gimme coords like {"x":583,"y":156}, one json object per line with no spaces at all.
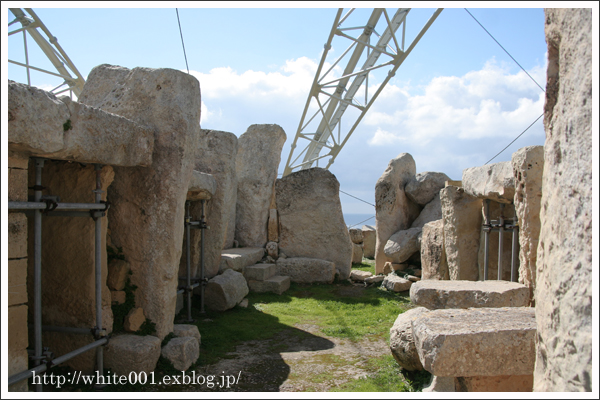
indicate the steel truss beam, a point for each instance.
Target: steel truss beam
{"x":66,"y":69}
{"x":330,"y":96}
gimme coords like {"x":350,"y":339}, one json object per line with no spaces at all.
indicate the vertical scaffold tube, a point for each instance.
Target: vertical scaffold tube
{"x":486,"y":254}
{"x":202,"y":228}
{"x":514,"y":275}
{"x":37,"y":268}
{"x":500,"y":241}
{"x":188,"y":219}
{"x":98,"y":270}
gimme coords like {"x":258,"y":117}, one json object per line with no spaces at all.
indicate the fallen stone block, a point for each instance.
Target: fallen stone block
{"x":402,"y":343}
{"x":182,"y":352}
{"x":374,"y":279}
{"x":431,"y":212}
{"x":403,"y":244}
{"x":186,"y":330}
{"x":435,"y":294}
{"x":225,"y":291}
{"x":134,"y":319}
{"x":118,"y":272}
{"x":477,"y":341}
{"x":275,"y":284}
{"x":132,"y":353}
{"x":202,"y":186}
{"x":492,"y":181}
{"x":395,"y":283}
{"x":306,"y":270}
{"x":238,"y":259}
{"x":360,"y":276}
{"x":424,"y":186}
{"x":260,"y":272}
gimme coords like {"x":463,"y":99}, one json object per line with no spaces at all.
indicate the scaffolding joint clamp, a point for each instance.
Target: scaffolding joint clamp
{"x":98,"y":333}
{"x":50,"y":205}
{"x":37,"y":187}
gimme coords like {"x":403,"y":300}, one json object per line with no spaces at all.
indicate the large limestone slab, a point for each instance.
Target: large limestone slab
{"x":311,"y":220}
{"x":402,"y":342}
{"x":431,"y":212}
{"x":275,"y":284}
{"x":492,"y":181}
{"x":394,"y":283}
{"x":132,"y":353}
{"x":403,"y":244}
{"x":148,"y":204}
{"x":182,"y":352}
{"x":202,"y":186}
{"x":306,"y":270}
{"x":433,"y":252}
{"x":238,"y":259}
{"x":260,"y":272}
{"x":565,"y":251}
{"x":461,"y":214}
{"x":225,"y":291}
{"x":259,"y":153}
{"x":187,"y":330}
{"x":369,"y":241}
{"x":394,"y":211}
{"x":528,"y":166}
{"x":435,"y":294}
{"x":476,"y":341}
{"x":425,"y":186}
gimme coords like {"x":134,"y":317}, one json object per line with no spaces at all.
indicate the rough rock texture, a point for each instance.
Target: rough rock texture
{"x":132,"y":353}
{"x":394,"y":283}
{"x":564,"y":264}
{"x":307,"y":270}
{"x":16,"y":355}
{"x":272,"y":249}
{"x":403,"y":244}
{"x":393,"y":210}
{"x":186,"y":330}
{"x":425,"y":186}
{"x":440,"y":384}
{"x":402,"y":343}
{"x":369,"y":240}
{"x":182,"y":352}
{"x":275,"y":284}
{"x":528,"y":166}
{"x":431,"y":212}
{"x":311,"y":220}
{"x":374,"y":279}
{"x":360,"y":276}
{"x":202,"y":186}
{"x":216,"y":156}
{"x":117,"y":296}
{"x":134,"y":319}
{"x":477,"y":341}
{"x":461,"y":214}
{"x":509,"y":213}
{"x":492,"y":181}
{"x":357,"y":253}
{"x":435,"y":294}
{"x":433,"y":252}
{"x":356,"y":235}
{"x":501,"y":383}
{"x":147,"y":212}
{"x":273,"y":226}
{"x":68,"y":254}
{"x":118,"y":272}
{"x":259,"y":153}
{"x":260,"y":272}
{"x":238,"y":259}
{"x":225,"y":291}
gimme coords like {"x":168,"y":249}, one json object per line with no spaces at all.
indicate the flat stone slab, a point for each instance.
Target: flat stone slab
{"x":437,"y":294}
{"x":260,"y":272}
{"x":394,"y":283}
{"x":306,"y":270}
{"x":275,"y":284}
{"x":360,"y":276}
{"x":132,"y":353}
{"x":202,"y":186}
{"x":238,"y":259}
{"x":477,"y":341}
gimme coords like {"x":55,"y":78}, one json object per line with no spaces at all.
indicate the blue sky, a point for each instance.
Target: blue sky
{"x":455,"y":102}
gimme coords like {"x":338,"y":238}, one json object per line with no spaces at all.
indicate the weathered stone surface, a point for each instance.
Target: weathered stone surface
{"x":17,"y":281}
{"x":243,"y":303}
{"x":435,"y":294}
{"x":238,"y":259}
{"x":132,"y":353}
{"x":393,"y":210}
{"x":403,"y":244}
{"x":412,"y":278}
{"x":395,"y":283}
{"x":68,"y":254}
{"x":360,"y":276}
{"x":374,"y":279}
{"x":495,"y":210}
{"x":216,"y":156}
{"x":440,"y":384}
{"x":186,"y":330}
{"x":501,"y":383}
{"x":134,"y":319}
{"x":17,"y":160}
{"x":35,"y":119}
{"x":273,"y":226}
{"x":492,"y":181}
{"x":311,"y":220}
{"x":225,"y":291}
{"x":565,"y":251}
{"x":202,"y":186}
{"x":17,"y":184}
{"x":433,"y":252}
{"x":390,"y":267}
{"x":272,"y":249}
{"x":425,"y":186}
{"x":118,"y":272}
{"x":369,"y":240}
{"x":260,"y":272}
{"x":306,"y":270}
{"x":528,"y":166}
{"x":275,"y":284}
{"x":17,"y":235}
{"x":148,"y":204}
{"x":477,"y":341}
{"x":356,"y":235}
{"x":461,"y":214}
{"x":117,"y":296}
{"x":431,"y":212}
{"x":357,"y":253}
{"x":402,"y":343}
{"x":17,"y":345}
{"x":259,"y":153}
{"x":182,"y":352}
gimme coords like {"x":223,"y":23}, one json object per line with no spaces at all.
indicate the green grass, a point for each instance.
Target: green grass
{"x":366,"y":265}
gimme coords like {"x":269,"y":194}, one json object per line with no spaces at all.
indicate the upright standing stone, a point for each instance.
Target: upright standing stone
{"x":259,"y":153}
{"x":528,"y":166}
{"x":564,"y":264}
{"x":369,"y":240}
{"x":393,"y":210}
{"x":147,"y":212}
{"x":311,"y":220}
{"x":461,"y":213}
{"x":273,"y":227}
{"x":433,"y":252}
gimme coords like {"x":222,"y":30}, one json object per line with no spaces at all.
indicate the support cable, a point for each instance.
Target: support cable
{"x":182,"y":44}
{"x":521,"y":134}
{"x":361,"y":222}
{"x":347,"y":194}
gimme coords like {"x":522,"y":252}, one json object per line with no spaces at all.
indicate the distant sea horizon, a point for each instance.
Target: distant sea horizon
{"x":356,"y":220}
